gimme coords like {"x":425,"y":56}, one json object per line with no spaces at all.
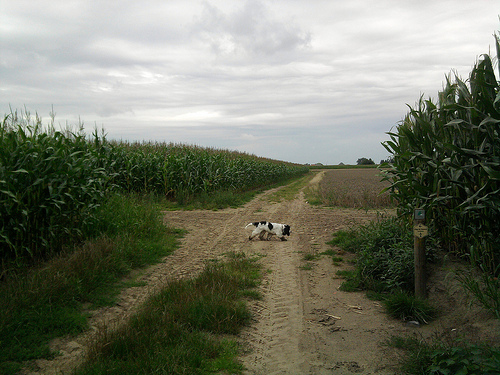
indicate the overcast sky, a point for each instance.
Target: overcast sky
{"x":304,"y":81}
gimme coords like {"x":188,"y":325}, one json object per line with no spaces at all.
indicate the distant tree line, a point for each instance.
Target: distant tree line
{"x":365,"y":161}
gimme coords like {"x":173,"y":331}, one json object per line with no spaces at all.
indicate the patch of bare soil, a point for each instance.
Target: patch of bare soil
{"x":303,"y":324}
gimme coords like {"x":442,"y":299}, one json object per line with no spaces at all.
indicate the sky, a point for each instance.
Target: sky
{"x":304,"y":81}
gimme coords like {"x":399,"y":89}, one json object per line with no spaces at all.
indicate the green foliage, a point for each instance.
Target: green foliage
{"x":446,"y":358}
{"x":175,"y":330}
{"x":446,"y":160}
{"x":42,"y":303}
{"x":385,"y":267}
{"x":384,"y":255}
{"x":50,"y":184}
{"x":469,"y":359}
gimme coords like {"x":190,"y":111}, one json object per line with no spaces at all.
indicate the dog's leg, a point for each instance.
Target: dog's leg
{"x":255,"y":233}
{"x":262,"y":234}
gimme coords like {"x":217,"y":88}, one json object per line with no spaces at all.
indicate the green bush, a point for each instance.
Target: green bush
{"x":404,"y":306}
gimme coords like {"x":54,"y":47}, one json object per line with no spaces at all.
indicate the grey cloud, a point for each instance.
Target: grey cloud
{"x":296,"y":80}
{"x":251,"y":31}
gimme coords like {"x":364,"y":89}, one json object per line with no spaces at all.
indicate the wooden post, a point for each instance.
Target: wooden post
{"x":420,"y":231}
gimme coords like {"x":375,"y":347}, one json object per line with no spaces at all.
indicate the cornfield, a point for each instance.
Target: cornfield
{"x":447,"y":161}
{"x":52,"y":181}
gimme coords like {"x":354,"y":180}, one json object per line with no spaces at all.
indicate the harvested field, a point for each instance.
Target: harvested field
{"x":351,"y":188}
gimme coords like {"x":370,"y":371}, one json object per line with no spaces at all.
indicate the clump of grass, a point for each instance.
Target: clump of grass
{"x":352,"y":282}
{"x":176,"y":329}
{"x":307,"y":267}
{"x":404,"y":306}
{"x":310,"y":257}
{"x":46,"y":302}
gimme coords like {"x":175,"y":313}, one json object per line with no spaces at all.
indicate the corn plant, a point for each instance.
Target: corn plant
{"x":52,"y":181}
{"x":181,"y":172}
{"x":447,"y":161}
{"x":49,"y":186}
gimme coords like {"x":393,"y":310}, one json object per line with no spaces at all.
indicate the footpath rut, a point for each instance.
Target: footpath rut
{"x":303,"y":324}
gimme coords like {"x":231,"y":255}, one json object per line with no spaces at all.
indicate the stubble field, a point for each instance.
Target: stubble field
{"x":351,"y":188}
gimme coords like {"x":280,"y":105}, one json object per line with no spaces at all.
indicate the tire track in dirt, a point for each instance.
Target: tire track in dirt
{"x":209,"y":235}
{"x":292,"y":332}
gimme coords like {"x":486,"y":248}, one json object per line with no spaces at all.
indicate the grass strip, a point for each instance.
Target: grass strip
{"x":289,"y":191}
{"x":178,"y":331}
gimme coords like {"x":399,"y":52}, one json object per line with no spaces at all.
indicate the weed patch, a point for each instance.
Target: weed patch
{"x":384,"y":252}
{"x":438,"y":357}
{"x":384,"y":267}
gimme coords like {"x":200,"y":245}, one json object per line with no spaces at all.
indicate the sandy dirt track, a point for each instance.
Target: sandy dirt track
{"x":303,"y":324}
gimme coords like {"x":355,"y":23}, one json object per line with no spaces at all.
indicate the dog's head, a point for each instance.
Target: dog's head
{"x":286,"y":230}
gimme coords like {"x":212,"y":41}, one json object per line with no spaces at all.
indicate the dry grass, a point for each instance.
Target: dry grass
{"x":352,"y":188}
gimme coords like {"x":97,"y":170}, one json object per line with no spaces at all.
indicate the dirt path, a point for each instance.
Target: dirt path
{"x":303,"y":325}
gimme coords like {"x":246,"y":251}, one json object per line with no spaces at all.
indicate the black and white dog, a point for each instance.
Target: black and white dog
{"x":264,"y":227}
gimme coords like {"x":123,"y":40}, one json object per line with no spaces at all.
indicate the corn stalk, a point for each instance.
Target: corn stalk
{"x":447,"y":161}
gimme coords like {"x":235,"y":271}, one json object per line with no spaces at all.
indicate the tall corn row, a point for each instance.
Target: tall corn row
{"x":181,"y":172}
{"x":49,"y":186}
{"x":447,"y":160}
{"x":51,"y":182}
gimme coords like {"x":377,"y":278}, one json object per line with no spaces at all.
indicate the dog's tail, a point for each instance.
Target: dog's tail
{"x":250,"y":224}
